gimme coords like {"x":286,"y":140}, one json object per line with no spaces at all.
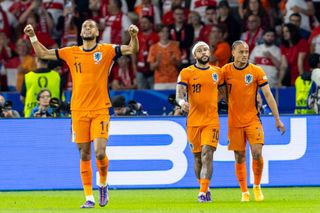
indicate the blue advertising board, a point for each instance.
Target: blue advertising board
{"x":150,"y":152}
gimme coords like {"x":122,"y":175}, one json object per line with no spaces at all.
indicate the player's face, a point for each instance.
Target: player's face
{"x":89,"y":30}
{"x":241,"y":53}
{"x":202,"y":54}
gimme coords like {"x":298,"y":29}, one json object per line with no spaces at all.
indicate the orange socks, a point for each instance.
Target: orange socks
{"x":241,"y":173}
{"x":86,"y":176}
{"x":102,"y":166}
{"x":204,"y":184}
{"x":257,"y":167}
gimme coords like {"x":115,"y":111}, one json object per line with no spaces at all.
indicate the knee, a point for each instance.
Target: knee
{"x":85,"y":156}
{"x":206,"y":156}
{"x":240,"y":157}
{"x":100,"y":154}
{"x":256,"y":155}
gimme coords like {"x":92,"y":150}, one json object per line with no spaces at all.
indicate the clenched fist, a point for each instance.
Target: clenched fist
{"x":133,"y":30}
{"x":29,"y":31}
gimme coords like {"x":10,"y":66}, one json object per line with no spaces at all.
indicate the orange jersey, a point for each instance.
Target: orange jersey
{"x":242,"y":87}
{"x":89,"y":70}
{"x":202,"y":85}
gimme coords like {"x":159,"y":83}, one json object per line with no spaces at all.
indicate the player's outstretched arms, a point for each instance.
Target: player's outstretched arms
{"x":133,"y":46}
{"x":40,"y":50}
{"x":181,"y":93}
{"x":273,"y":106}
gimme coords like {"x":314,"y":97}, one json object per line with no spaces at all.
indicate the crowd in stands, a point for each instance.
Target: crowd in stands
{"x":281,"y":34}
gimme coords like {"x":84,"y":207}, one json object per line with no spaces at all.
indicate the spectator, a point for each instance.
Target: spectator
{"x":194,"y":19}
{"x":183,"y":33}
{"x":210,"y":19}
{"x":35,"y":81}
{"x":314,"y":40}
{"x":295,"y":18}
{"x":225,"y":17}
{"x":167,"y":17}
{"x":43,"y":109}
{"x":17,"y":66}
{"x":5,"y":55}
{"x":201,"y":6}
{"x":294,"y":50}
{"x":123,"y":77}
{"x":6,"y":110}
{"x":304,"y":7}
{"x":268,"y":56}
{"x":220,"y":49}
{"x":254,"y":33}
{"x":164,"y":58}
{"x":115,"y":24}
{"x":255,"y":7}
{"x":147,"y":37}
{"x":43,"y":35}
{"x":67,"y":25}
{"x":147,"y":8}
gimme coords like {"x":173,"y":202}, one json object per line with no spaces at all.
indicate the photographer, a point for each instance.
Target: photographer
{"x":43,"y":109}
{"x":133,"y":109}
{"x":6,"y":110}
{"x":177,"y":111}
{"x":60,"y":108}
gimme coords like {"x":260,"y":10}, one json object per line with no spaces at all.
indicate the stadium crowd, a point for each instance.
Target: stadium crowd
{"x":283,"y":37}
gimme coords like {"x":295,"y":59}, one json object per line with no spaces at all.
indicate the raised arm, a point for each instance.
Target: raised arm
{"x":273,"y":106}
{"x":133,"y":46}
{"x":40,"y":50}
{"x":181,"y":93}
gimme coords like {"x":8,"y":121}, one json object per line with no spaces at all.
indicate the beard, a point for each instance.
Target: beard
{"x":89,"y":38}
{"x":202,"y":61}
{"x":268,"y":43}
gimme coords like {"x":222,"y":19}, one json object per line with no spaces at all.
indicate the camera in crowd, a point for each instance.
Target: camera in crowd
{"x":133,"y":108}
{"x":7,"y":105}
{"x":60,"y":108}
{"x":177,"y":111}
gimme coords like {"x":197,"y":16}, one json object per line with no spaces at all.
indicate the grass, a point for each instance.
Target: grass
{"x":304,"y":199}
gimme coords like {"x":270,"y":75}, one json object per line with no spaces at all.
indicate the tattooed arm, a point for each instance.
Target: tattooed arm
{"x":181,"y":93}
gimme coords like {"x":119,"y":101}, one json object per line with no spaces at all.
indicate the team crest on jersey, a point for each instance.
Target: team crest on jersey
{"x":248,"y":78}
{"x":215,"y":77}
{"x":97,"y":56}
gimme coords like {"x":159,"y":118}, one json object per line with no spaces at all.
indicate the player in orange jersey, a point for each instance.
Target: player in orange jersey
{"x":89,"y":65}
{"x":243,"y":80}
{"x":197,"y":94}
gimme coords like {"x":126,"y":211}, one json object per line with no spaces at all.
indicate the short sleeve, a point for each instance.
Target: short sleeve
{"x":221,"y":77}
{"x":63,"y":53}
{"x":261,"y":77}
{"x":183,"y":77}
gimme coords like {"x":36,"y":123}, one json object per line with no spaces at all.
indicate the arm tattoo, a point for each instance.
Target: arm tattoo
{"x":181,"y":92}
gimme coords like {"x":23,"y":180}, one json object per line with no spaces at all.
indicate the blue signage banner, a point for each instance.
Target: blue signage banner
{"x":150,"y":152}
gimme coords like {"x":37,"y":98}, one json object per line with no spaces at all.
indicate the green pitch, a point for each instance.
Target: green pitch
{"x":165,"y":200}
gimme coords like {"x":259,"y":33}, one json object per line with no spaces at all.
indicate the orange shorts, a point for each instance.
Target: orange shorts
{"x":88,"y":125}
{"x":238,"y":136}
{"x":204,"y":135}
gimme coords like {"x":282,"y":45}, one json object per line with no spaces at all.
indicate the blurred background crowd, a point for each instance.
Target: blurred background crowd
{"x":283,"y":37}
